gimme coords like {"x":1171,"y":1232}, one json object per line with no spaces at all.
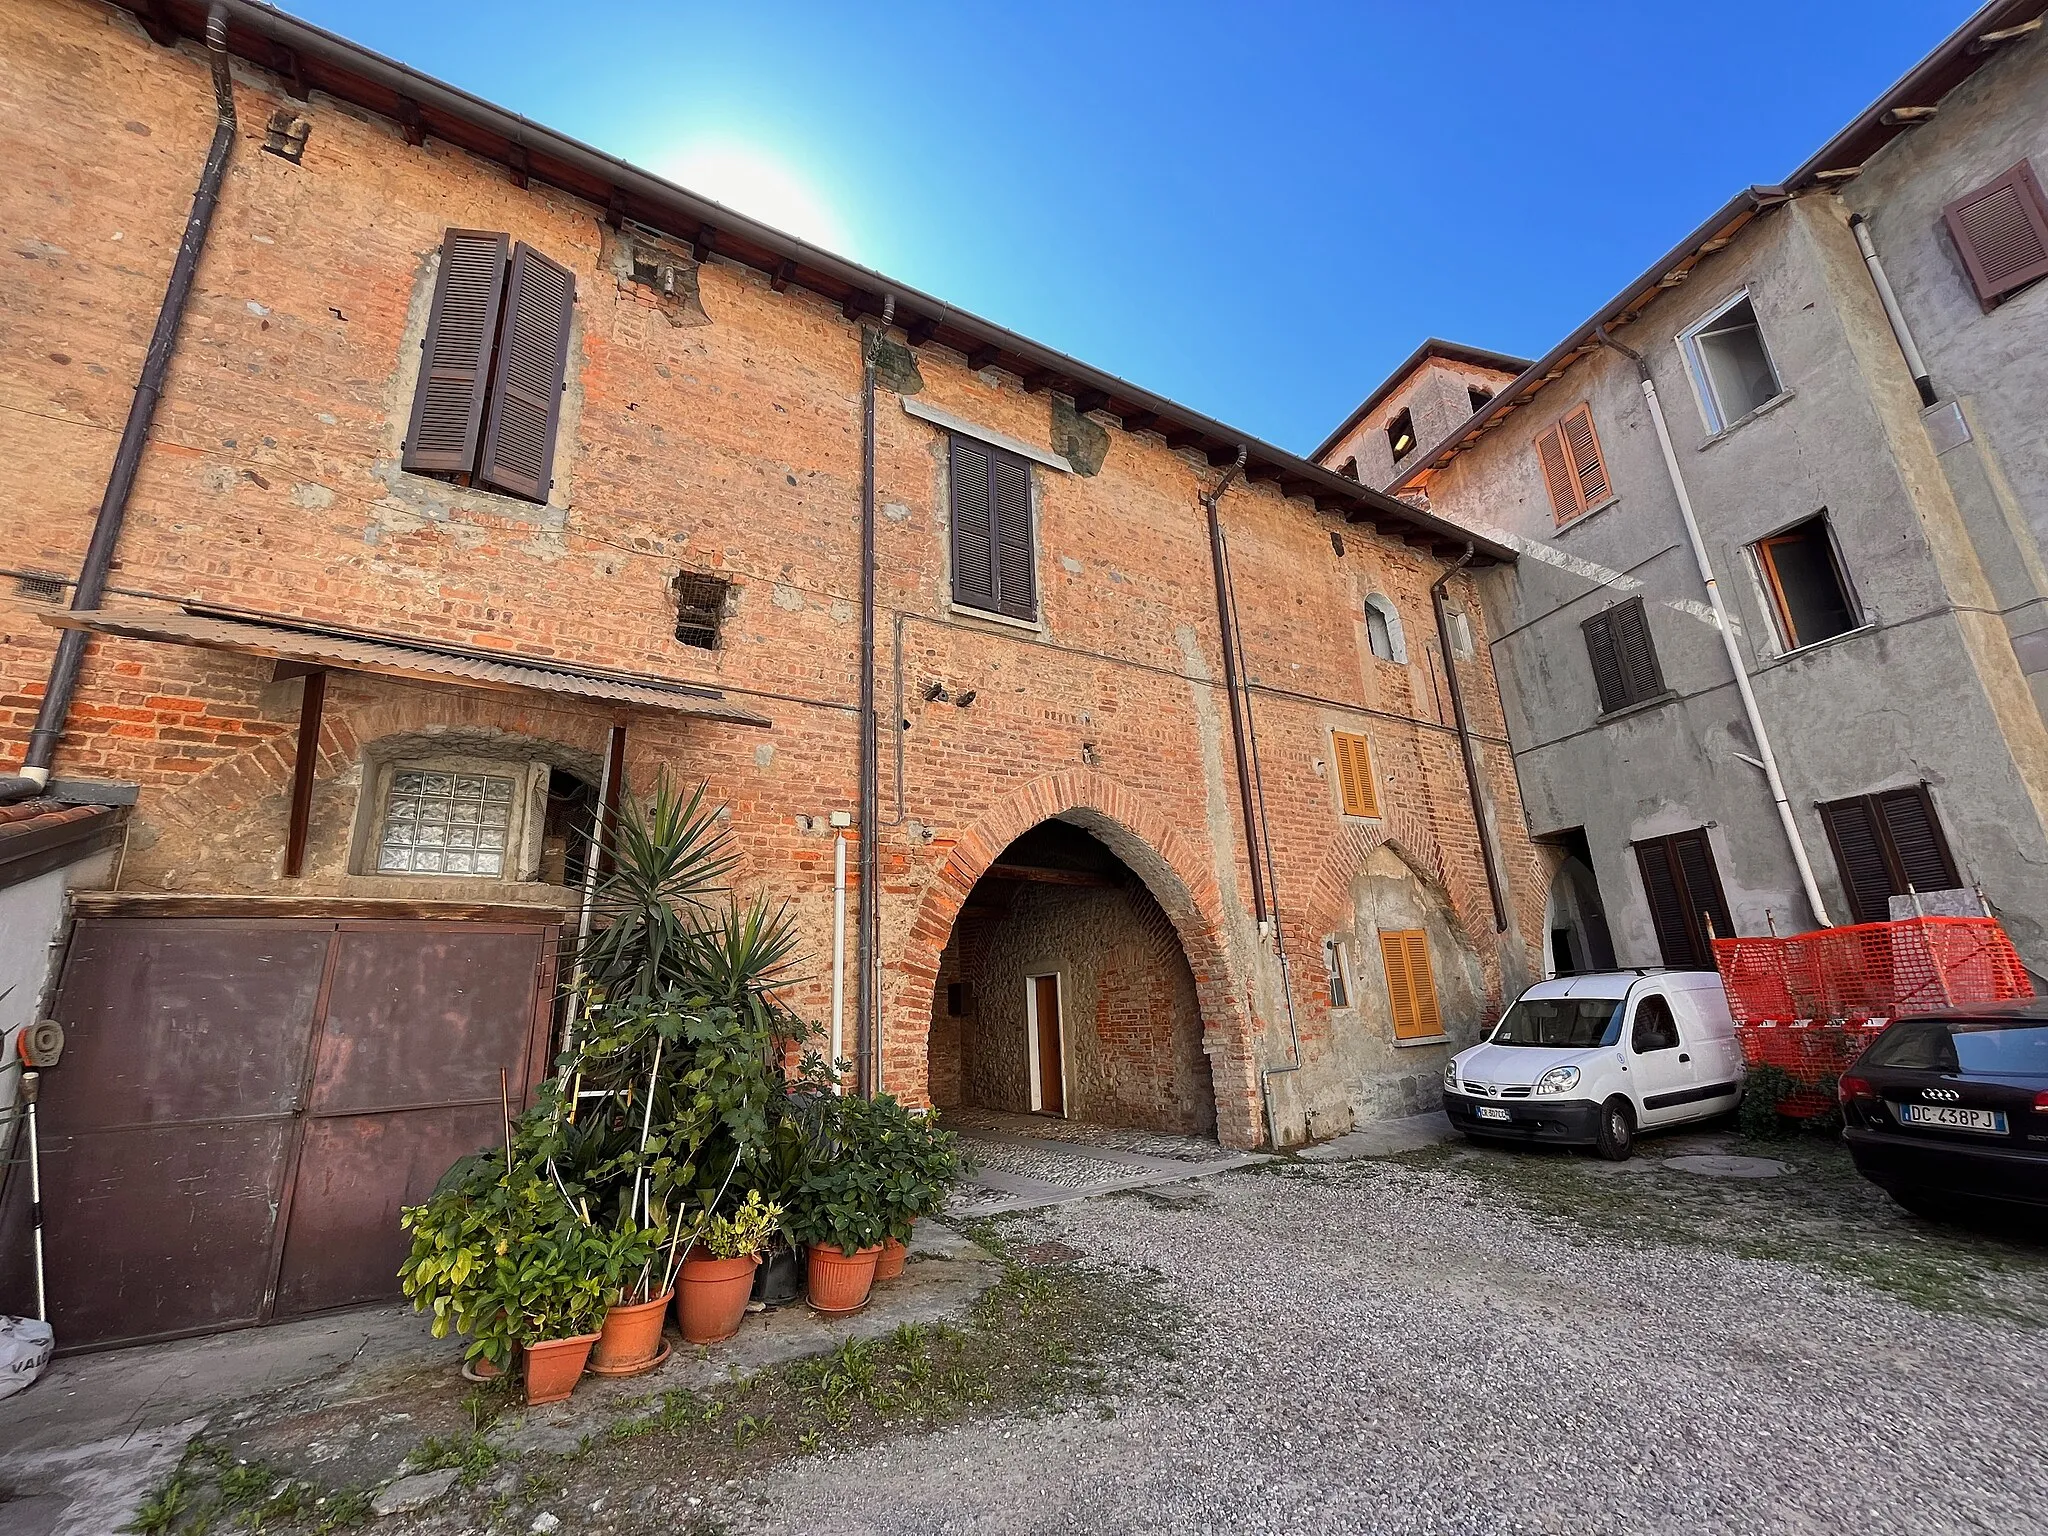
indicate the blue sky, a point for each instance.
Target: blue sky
{"x":1257,"y":210}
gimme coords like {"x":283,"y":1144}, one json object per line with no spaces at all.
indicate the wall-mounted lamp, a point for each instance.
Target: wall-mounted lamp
{"x":935,"y":693}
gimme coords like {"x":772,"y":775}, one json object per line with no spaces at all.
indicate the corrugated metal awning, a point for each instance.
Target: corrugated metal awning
{"x":401,"y":658}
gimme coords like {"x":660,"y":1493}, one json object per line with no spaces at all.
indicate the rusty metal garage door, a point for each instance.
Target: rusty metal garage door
{"x":244,"y":1104}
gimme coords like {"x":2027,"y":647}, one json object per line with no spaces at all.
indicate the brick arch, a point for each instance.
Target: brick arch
{"x":1172,"y":869}
{"x":1409,"y":836}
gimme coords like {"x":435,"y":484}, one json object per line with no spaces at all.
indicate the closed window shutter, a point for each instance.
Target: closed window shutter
{"x":1565,"y":503}
{"x":1356,"y":789}
{"x":1859,"y":857}
{"x":1600,"y":650}
{"x":526,"y":387}
{"x":1634,"y":653}
{"x":1667,"y":905}
{"x":1705,"y":904}
{"x":455,"y":358}
{"x":1411,"y":984}
{"x":1582,"y":445}
{"x":1918,"y":847}
{"x":1016,"y":587}
{"x":974,"y":542}
{"x":2001,"y":232}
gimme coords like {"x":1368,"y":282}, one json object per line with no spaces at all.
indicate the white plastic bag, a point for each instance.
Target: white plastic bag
{"x":25,"y":1346}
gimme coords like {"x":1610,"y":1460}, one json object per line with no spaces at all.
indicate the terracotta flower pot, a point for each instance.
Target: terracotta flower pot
{"x":631,"y":1341}
{"x":711,"y":1297}
{"x":839,"y":1282}
{"x":553,"y":1367}
{"x":891,"y":1262}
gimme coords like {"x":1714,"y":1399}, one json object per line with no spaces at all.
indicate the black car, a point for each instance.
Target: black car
{"x":1951,"y":1109}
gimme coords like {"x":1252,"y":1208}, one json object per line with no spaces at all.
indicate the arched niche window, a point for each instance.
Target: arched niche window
{"x":1383,"y":629}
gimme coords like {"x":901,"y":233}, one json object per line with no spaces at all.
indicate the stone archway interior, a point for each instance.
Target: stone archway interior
{"x":1058,"y":902}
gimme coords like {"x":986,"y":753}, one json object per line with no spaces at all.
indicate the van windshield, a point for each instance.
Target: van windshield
{"x":1561,"y":1021}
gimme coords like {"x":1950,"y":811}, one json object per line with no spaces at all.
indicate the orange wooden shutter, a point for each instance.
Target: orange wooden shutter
{"x":1583,"y":446}
{"x":1558,"y":477}
{"x":1355,"y":787}
{"x":1411,"y":984}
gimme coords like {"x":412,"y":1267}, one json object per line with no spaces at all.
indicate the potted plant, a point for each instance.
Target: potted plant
{"x":630,"y":1342}
{"x":920,"y":1164}
{"x":717,"y":1277}
{"x":841,"y":1211}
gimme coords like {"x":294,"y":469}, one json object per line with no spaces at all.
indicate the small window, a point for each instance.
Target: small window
{"x":1731,"y":370}
{"x":1383,"y":629}
{"x":1573,"y":471}
{"x":1479,"y":398}
{"x":1687,"y":908}
{"x":1337,"y":968}
{"x":995,"y":554}
{"x":1460,"y":626}
{"x":1809,"y":595}
{"x":1624,"y":661}
{"x":1356,"y":791}
{"x":1401,"y":435}
{"x":447,"y":823}
{"x":492,"y":367}
{"x":1655,"y":1029}
{"x":700,"y":608}
{"x":1887,"y":845}
{"x":1411,"y":985}
{"x":2001,"y":233}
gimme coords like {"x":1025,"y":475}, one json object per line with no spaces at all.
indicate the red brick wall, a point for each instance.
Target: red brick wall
{"x":271,"y":484}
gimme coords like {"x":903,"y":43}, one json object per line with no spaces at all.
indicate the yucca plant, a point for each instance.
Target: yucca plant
{"x":664,"y":863}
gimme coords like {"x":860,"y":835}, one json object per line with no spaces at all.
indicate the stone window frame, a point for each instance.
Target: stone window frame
{"x":523,"y":833}
{"x":1397,"y":640}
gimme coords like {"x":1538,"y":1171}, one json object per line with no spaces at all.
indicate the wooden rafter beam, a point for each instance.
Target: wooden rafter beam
{"x":782,"y":277}
{"x":409,"y":122}
{"x":522,"y":167}
{"x":983,"y":357}
{"x":921,"y":330}
{"x":1039,"y":875}
{"x":1086,"y":400}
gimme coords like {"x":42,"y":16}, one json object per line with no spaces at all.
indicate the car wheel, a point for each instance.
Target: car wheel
{"x":1617,"y":1130}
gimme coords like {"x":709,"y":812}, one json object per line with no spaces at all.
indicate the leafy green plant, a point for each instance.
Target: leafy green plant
{"x":745,"y":1231}
{"x":663,"y":862}
{"x":1767,"y":1091}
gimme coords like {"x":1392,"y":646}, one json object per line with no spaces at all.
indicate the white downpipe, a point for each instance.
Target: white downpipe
{"x":1766,"y":756}
{"x":838,"y":948}
{"x":1915,"y":364}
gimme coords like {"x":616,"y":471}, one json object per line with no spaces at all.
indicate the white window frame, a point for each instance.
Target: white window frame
{"x":1380,"y":603}
{"x":1337,"y":967}
{"x":523,"y":833}
{"x":1712,"y":416}
{"x":1059,"y":986}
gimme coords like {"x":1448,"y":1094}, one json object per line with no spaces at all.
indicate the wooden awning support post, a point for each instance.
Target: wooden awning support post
{"x":305,"y":759}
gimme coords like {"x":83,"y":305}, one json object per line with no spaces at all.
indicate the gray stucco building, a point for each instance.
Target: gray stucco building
{"x":1869,"y":494}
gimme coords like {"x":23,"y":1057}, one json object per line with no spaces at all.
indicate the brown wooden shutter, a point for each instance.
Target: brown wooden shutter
{"x":1667,"y":904}
{"x":1016,"y":554}
{"x":526,"y":387}
{"x":1859,"y":858}
{"x":1411,"y":984}
{"x":1600,"y":650}
{"x":1565,"y":503}
{"x":974,"y":539}
{"x":1687,"y":907}
{"x":1582,"y":445}
{"x":1914,"y":832}
{"x":2001,"y":232}
{"x":455,"y":357}
{"x":1356,"y":789}
{"x":1705,"y":904}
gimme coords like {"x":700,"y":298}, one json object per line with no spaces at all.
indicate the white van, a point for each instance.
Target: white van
{"x":1591,"y":1060}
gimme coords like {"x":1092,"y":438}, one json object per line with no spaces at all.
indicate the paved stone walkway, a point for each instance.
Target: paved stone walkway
{"x":1028,"y":1161}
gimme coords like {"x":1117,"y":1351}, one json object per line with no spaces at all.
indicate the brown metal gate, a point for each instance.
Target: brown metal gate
{"x":244,"y":1104}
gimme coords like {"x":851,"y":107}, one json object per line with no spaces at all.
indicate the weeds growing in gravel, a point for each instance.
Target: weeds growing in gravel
{"x":211,"y":1490}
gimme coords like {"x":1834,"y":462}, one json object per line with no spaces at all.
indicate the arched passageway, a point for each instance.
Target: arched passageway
{"x":1063,"y":990}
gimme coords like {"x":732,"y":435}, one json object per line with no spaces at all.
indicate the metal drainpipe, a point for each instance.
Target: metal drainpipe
{"x":1705,"y":562}
{"x":1487,"y":853}
{"x":1914,"y":362}
{"x":106,"y":529}
{"x":868,"y":950}
{"x":1209,"y":499}
{"x":1265,"y":840}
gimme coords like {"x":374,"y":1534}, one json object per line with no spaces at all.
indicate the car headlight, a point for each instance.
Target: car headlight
{"x":1558,"y":1080}
{"x":1450,"y":1077}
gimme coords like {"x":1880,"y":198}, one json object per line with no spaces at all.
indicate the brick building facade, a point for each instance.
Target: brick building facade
{"x":710,"y":444}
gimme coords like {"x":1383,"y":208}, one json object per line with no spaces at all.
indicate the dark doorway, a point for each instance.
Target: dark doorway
{"x":244,"y":1104}
{"x":1064,"y":991}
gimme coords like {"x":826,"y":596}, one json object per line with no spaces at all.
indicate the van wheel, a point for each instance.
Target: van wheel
{"x":1617,"y":1130}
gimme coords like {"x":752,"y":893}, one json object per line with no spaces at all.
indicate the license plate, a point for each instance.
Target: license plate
{"x":1951,"y":1118}
{"x":1489,"y":1112}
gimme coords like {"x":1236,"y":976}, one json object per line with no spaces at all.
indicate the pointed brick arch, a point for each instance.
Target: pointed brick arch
{"x":1173,"y":870}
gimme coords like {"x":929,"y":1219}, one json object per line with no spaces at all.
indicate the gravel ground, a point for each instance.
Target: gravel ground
{"x":1117,"y":1138}
{"x":1385,"y":1347}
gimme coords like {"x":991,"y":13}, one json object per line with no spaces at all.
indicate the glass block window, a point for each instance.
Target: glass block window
{"x":445,"y":824}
